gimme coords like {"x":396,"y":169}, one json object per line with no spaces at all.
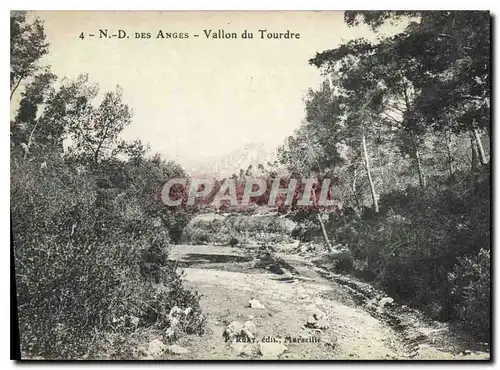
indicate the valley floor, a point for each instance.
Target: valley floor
{"x":307,"y":314}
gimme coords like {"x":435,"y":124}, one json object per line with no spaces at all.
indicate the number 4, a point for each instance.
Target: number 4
{"x":81,"y":36}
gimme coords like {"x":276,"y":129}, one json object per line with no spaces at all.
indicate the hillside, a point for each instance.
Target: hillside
{"x":223,"y":166}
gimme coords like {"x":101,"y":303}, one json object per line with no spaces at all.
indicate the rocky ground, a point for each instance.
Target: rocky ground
{"x":274,"y":303}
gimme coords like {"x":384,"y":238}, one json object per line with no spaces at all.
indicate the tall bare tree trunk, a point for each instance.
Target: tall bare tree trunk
{"x":30,"y":139}
{"x":325,"y":236}
{"x":322,"y":225}
{"x":13,"y":90}
{"x":448,"y":153}
{"x":474,"y":153}
{"x":367,"y":166}
{"x":354,"y":190}
{"x":480,"y":150}
{"x":421,"y":177}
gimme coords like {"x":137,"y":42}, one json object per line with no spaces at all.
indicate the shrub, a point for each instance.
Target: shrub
{"x":215,"y":229}
{"x":78,"y":256}
{"x":339,"y":261}
{"x":421,"y":237}
{"x":471,"y":290}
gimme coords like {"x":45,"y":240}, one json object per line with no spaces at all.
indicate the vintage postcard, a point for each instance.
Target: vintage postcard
{"x":250,"y":185}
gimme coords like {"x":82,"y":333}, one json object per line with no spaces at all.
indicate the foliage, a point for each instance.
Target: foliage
{"x":222,"y":229}
{"x":471,"y":281}
{"x":416,"y":241}
{"x":418,"y":193}
{"x":85,"y":217}
{"x":27,"y":46}
{"x":78,"y":263}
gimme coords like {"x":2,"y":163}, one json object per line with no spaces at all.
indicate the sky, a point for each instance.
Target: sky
{"x":197,"y":97}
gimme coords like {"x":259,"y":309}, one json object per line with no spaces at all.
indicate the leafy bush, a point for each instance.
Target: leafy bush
{"x":216,"y":229}
{"x":471,"y":290}
{"x":78,"y":256}
{"x":419,"y":238}
{"x":339,"y":261}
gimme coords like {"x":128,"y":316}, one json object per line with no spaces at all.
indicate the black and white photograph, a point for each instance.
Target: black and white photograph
{"x":251,"y":185}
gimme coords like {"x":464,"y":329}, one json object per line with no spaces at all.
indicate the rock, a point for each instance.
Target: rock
{"x":293,"y":246}
{"x":318,"y":314}
{"x":177,"y":350}
{"x":311,"y":322}
{"x":232,"y":330}
{"x":249,"y":350}
{"x":238,"y":347}
{"x":155,"y":348}
{"x":370,"y":304}
{"x":314,"y":323}
{"x":271,"y":350}
{"x":276,"y":269}
{"x":134,"y":320}
{"x":175,"y":312}
{"x":318,"y":248}
{"x":386,"y":300}
{"x":175,"y":316}
{"x":322,"y":323}
{"x":318,"y":301}
{"x":332,"y":342}
{"x":244,"y":349}
{"x":141,"y":351}
{"x":249,"y":329}
{"x":169,"y":333}
{"x":244,"y":333}
{"x":253,"y":303}
{"x":174,"y":322}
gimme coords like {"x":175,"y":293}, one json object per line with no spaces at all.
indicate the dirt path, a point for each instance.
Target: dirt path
{"x":350,"y":329}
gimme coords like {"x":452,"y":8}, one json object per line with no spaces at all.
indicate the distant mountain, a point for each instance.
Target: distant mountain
{"x":224,"y":166}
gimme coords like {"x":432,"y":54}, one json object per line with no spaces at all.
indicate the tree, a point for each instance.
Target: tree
{"x":38,"y":92}
{"x":311,"y":152}
{"x":95,"y":130}
{"x":382,"y":79}
{"x":359,"y":95}
{"x":414,"y":103}
{"x":450,"y":51}
{"x":27,"y":46}
{"x":248,"y":172}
